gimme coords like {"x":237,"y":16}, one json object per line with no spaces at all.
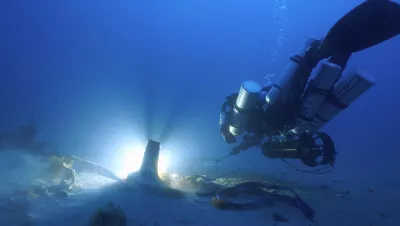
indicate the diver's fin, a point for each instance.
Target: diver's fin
{"x":369,"y":24}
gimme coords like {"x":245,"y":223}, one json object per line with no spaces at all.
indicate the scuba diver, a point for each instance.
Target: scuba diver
{"x":284,"y":119}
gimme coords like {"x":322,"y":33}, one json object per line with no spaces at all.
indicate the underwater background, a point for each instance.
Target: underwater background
{"x":101,"y":77}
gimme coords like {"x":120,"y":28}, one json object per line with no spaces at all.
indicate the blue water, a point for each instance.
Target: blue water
{"x":101,"y":77}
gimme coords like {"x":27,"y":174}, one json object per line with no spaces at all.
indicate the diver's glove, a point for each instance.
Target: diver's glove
{"x":236,"y":150}
{"x":249,"y":141}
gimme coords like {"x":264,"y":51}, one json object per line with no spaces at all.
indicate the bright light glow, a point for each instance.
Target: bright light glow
{"x":162,"y":164}
{"x":131,"y":160}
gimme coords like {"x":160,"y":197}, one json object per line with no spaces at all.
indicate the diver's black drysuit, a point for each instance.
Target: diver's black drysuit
{"x":370,"y":23}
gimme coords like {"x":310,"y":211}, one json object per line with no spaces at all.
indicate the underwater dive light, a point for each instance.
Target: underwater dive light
{"x":150,"y":159}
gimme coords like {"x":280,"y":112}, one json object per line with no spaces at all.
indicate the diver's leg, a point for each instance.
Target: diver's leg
{"x":367,"y":25}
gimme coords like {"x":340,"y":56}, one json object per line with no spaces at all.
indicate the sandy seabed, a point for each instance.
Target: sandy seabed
{"x":334,"y":204}
{"x":141,"y":208}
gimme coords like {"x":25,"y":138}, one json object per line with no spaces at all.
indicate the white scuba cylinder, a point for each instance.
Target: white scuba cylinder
{"x":279,"y":88}
{"x":315,"y":95}
{"x":349,"y":88}
{"x":249,"y":95}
